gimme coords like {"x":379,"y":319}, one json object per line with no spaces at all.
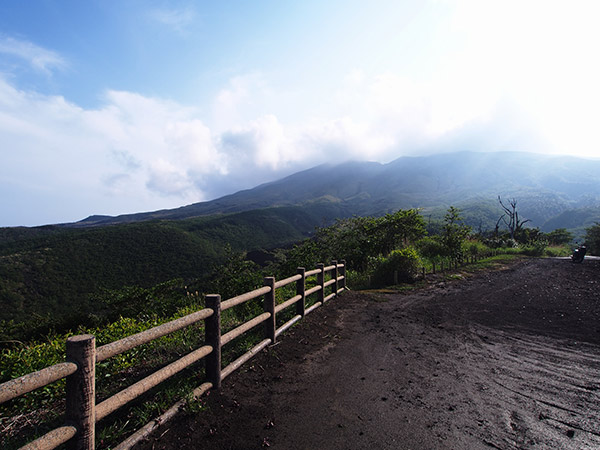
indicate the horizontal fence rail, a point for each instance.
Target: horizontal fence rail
{"x":82,"y":355}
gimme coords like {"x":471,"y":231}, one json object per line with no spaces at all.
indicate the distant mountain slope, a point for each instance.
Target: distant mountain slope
{"x":545,"y":186}
{"x":573,"y":218}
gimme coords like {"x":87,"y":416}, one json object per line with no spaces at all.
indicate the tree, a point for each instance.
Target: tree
{"x":397,"y":230}
{"x":592,"y":238}
{"x":513,"y":223}
{"x":454,"y":232}
{"x":559,"y":236}
{"x":357,"y":239}
{"x":352,"y":239}
{"x":234,"y":276}
{"x":431,"y":248}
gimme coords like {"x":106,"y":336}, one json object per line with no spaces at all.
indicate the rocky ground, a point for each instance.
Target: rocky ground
{"x":506,"y":359}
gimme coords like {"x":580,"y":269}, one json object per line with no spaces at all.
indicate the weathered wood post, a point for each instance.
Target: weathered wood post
{"x":433,"y":263}
{"x":321,"y":282}
{"x":212,"y":331}
{"x":269,"y":306}
{"x":334,"y":274}
{"x":395,"y":280}
{"x":442,"y":264}
{"x":301,"y":291}
{"x":343,"y":273}
{"x":81,"y":391}
{"x":423,"y":270}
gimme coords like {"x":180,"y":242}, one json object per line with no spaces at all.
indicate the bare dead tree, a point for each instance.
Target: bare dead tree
{"x":513,"y":223}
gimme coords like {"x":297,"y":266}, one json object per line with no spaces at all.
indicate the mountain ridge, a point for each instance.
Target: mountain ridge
{"x":430,"y":182}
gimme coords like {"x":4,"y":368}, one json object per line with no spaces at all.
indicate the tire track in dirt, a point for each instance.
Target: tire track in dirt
{"x":505,"y":360}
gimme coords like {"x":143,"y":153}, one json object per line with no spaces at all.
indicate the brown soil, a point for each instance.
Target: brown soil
{"x":507,"y":360}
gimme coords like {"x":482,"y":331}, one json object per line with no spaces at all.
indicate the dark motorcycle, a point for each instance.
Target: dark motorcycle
{"x":579,"y":254}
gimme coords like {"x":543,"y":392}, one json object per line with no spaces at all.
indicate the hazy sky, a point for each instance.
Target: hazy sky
{"x":110,"y":107}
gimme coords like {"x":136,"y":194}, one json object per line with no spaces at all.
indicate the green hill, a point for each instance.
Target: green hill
{"x":55,"y":270}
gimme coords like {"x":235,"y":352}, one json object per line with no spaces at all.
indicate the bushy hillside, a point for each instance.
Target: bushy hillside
{"x":54,"y":270}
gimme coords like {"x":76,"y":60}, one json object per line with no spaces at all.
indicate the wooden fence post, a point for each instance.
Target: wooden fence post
{"x":343,"y":273}
{"x":301,"y":291}
{"x":423,"y":272}
{"x":395,"y":277}
{"x":269,"y":306}
{"x":433,"y":263}
{"x":321,"y":282}
{"x":334,"y":274}
{"x":212,"y":331}
{"x":81,"y":391}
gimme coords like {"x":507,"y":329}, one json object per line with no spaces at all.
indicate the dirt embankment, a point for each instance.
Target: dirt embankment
{"x":505,"y":360}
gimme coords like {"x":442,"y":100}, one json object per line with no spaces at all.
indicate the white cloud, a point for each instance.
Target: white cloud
{"x":40,"y":59}
{"x":134,"y":153}
{"x":137,"y":153}
{"x":241,"y":101}
{"x":537,"y":55}
{"x":261,"y":143}
{"x":166,"y":178}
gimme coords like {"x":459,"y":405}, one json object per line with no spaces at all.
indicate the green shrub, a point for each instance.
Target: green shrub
{"x":535,"y":249}
{"x":557,"y":250}
{"x":405,"y":262}
{"x":592,"y":239}
{"x":454,"y":233}
{"x":431,"y":248}
{"x":475,"y":248}
{"x":560,"y":236}
{"x":357,"y":280}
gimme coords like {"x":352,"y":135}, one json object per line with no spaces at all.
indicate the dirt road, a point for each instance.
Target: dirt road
{"x":505,"y":360}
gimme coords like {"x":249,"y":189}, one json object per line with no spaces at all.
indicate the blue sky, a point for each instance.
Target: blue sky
{"x":113,"y":107}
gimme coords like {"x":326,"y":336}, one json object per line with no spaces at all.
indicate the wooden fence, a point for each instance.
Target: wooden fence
{"x":82,"y":355}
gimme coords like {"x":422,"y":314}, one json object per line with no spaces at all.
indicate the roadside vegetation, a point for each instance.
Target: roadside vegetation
{"x":592,"y":238}
{"x":379,"y":251}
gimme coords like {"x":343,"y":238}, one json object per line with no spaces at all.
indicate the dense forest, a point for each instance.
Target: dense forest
{"x":52,"y":276}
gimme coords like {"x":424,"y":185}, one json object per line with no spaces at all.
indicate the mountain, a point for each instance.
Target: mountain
{"x":545,"y":186}
{"x":51,"y":275}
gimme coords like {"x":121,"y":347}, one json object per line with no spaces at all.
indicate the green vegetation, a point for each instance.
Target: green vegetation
{"x":53,"y":278}
{"x":560,"y":236}
{"x":454,"y":234}
{"x":118,"y":280}
{"x":400,"y":266}
{"x":358,"y":239}
{"x":592,"y":239}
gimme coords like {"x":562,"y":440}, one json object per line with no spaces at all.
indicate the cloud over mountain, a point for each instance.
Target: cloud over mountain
{"x":131,"y":109}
